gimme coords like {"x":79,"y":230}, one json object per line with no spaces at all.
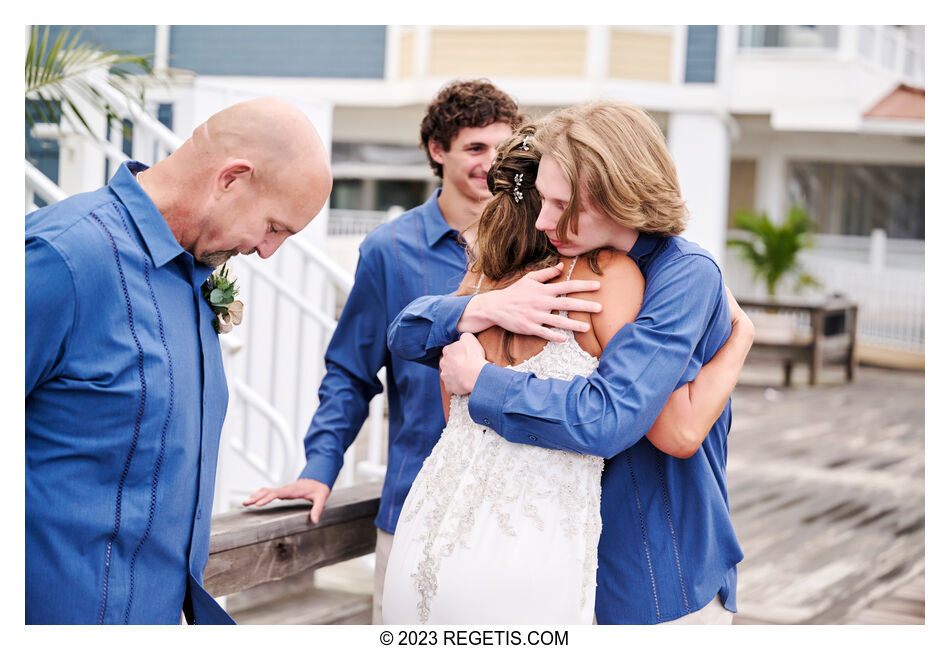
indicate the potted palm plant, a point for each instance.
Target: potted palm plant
{"x":772,"y":250}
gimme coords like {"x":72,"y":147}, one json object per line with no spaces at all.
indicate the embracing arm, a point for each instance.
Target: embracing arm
{"x":693,"y":408}
{"x":429,"y":323}
{"x":615,"y":406}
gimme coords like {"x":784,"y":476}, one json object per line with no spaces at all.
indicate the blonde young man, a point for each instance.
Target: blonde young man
{"x":668,"y":551}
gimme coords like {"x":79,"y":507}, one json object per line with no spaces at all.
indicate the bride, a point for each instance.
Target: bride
{"x":499,"y":532}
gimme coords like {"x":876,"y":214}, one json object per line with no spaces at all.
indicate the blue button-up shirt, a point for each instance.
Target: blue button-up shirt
{"x":125,"y":398}
{"x":414,"y":255}
{"x":668,"y":546}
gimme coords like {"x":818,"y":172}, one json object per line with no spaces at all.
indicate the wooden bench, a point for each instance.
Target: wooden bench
{"x":815,"y":333}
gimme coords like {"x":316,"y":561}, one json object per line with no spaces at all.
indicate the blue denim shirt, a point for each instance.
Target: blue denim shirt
{"x":125,"y":398}
{"x":414,"y":255}
{"x":668,"y":546}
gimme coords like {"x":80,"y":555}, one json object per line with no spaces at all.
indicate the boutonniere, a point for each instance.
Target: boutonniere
{"x":220,"y":291}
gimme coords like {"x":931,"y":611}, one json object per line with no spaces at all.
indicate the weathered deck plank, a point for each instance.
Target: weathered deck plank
{"x":827,"y":489}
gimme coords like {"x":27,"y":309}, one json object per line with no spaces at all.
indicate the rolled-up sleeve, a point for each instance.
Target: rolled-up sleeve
{"x":425,"y":326}
{"x":610,"y":410}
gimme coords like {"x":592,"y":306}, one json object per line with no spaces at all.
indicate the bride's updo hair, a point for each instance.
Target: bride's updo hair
{"x":508,"y":244}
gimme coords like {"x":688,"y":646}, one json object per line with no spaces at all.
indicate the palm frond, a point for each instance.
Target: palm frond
{"x":59,"y":77}
{"x":772,"y":249}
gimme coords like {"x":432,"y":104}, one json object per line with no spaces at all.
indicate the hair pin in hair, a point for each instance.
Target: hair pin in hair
{"x":524,"y":145}
{"x":516,"y":192}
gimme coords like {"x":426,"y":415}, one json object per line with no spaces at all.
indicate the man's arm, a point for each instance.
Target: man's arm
{"x":614,"y":407}
{"x":354,"y":356}
{"x":50,"y":310}
{"x":693,"y":408}
{"x":428,"y":324}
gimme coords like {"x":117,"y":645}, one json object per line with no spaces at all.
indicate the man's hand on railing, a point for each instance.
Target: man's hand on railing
{"x":303,"y":488}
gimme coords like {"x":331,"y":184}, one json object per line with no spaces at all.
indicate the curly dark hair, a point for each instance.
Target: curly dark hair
{"x":462,"y":104}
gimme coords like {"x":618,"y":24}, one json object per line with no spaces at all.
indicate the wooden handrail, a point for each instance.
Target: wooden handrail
{"x":258,"y":545}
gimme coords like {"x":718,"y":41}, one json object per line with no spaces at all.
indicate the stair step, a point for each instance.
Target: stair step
{"x":314,"y":606}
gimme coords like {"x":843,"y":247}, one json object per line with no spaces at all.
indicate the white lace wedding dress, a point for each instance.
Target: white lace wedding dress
{"x":498,"y":532}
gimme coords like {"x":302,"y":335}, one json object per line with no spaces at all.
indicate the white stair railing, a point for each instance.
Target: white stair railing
{"x":38,"y":184}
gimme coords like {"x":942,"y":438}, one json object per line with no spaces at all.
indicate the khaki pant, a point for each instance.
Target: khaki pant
{"x":712,"y":614}
{"x":384,"y":544}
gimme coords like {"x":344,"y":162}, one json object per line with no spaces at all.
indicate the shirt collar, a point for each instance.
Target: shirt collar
{"x":159,"y":240}
{"x":433,"y":221}
{"x":644,"y":246}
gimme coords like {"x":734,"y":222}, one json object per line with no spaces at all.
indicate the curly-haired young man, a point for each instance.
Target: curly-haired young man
{"x":416,"y":254}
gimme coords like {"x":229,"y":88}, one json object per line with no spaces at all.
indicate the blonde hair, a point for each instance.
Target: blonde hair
{"x":614,"y":155}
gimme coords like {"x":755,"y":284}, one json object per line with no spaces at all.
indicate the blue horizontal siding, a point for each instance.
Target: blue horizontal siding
{"x":701,"y":47}
{"x":134,"y":39}
{"x":339,"y":51}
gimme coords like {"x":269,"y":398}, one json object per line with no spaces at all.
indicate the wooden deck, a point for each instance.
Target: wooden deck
{"x":826,"y":485}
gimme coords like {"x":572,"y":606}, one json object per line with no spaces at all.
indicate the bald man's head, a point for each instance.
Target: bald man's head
{"x":251,"y":175}
{"x":266,"y":126}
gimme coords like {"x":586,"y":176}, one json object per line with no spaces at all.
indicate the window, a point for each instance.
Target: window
{"x":849,"y":199}
{"x":798,"y":36}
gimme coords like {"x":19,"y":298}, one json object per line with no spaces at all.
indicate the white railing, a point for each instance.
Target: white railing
{"x":891,"y":300}
{"x":291,"y":303}
{"x":37,"y":184}
{"x":888,"y":47}
{"x":343,"y":223}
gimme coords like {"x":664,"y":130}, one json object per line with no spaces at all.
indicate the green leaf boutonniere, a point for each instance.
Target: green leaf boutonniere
{"x":220,"y":291}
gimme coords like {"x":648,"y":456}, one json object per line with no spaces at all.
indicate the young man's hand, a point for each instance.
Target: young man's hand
{"x":461,"y":362}
{"x":526,"y":306}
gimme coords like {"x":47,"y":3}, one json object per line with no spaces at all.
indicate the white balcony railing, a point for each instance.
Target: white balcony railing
{"x":895,"y":49}
{"x":890,"y":294}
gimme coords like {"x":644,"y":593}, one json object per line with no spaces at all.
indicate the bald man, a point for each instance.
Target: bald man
{"x":125,"y":391}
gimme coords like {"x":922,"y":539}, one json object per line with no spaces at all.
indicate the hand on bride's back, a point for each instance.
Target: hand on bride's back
{"x":526,"y":306}
{"x":460,"y":364}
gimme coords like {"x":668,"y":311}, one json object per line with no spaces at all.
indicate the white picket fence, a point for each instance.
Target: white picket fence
{"x":890,"y":296}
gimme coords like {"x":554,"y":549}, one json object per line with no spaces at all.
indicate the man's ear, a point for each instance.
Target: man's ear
{"x":233,"y":171}
{"x":436,"y":151}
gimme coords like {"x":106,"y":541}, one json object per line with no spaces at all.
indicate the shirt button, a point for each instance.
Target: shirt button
{"x":486,"y":421}
{"x":532,"y":437}
{"x":199,"y":514}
